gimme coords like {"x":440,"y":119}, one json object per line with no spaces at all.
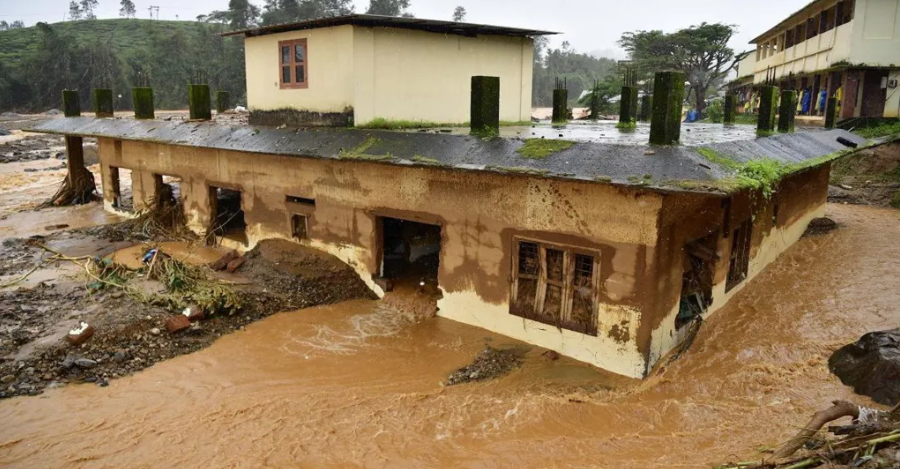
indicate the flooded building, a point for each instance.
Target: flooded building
{"x":849,"y":49}
{"x":584,"y":239}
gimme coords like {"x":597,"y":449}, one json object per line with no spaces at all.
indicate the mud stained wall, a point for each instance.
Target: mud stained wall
{"x":777,"y":223}
{"x":480,"y":215}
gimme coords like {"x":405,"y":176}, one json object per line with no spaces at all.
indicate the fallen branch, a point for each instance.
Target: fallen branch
{"x":838,"y":410}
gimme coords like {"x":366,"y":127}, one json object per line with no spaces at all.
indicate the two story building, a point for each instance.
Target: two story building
{"x":849,"y":49}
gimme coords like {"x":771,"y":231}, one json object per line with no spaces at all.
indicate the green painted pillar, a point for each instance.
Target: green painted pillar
{"x":560,"y":106}
{"x":485,"y":106}
{"x":199,"y":102}
{"x":71,"y":103}
{"x":768,"y":102}
{"x":143,"y":102}
{"x":831,"y":113}
{"x":787,"y":110}
{"x":730,"y":107}
{"x":628,"y":105}
{"x":646,"y":108}
{"x":668,"y":96}
{"x":223,"y":102}
{"x":103,"y":102}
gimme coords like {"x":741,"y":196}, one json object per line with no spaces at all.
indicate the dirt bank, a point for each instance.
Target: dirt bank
{"x":869,"y":177}
{"x":130,"y":324}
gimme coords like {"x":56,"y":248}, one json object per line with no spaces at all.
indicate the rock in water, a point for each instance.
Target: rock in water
{"x":3,"y":132}
{"x":871,"y":366}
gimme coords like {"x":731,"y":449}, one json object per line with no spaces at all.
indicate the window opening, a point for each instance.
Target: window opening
{"x":300,"y":200}
{"x":227,"y":214}
{"x":293,"y":63}
{"x":555,"y":285}
{"x":410,"y":252}
{"x":739,"y":260}
{"x":123,"y":197}
{"x":700,"y":257}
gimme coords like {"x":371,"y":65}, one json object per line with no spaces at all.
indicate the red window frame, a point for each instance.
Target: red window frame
{"x":293,"y":64}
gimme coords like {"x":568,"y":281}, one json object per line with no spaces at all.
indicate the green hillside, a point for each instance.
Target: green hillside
{"x":38,"y":62}
{"x":126,"y":36}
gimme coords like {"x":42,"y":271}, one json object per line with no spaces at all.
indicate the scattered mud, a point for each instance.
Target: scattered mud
{"x":490,"y":363}
{"x":869,"y":177}
{"x":130,"y":329}
{"x":301,"y":276}
{"x":820,"y":226}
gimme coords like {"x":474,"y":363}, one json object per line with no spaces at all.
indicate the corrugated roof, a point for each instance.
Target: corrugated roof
{"x":664,"y":169}
{"x":435,"y":26}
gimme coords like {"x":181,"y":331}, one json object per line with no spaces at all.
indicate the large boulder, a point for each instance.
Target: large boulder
{"x":871,"y":366}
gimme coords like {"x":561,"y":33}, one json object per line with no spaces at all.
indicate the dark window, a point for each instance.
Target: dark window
{"x":739,"y":261}
{"x":298,"y":226}
{"x":555,"y":285}
{"x":293,"y":65}
{"x":300,"y":200}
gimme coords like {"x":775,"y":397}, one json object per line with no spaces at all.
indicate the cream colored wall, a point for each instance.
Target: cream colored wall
{"x":480,"y":213}
{"x":420,"y":76}
{"x":877,"y":40}
{"x":330,"y":71}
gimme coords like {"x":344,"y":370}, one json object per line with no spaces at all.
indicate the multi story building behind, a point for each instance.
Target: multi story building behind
{"x":849,"y":49}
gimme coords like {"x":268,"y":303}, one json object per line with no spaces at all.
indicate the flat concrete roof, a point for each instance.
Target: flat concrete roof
{"x":434,"y":26}
{"x":681,"y":168}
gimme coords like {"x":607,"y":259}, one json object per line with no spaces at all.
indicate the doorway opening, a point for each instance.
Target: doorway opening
{"x":410,"y":252}
{"x":227,"y":214}
{"x":123,"y":197}
{"x":700,"y":258}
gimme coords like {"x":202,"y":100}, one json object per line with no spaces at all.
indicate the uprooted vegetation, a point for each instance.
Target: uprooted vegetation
{"x":870,"y":441}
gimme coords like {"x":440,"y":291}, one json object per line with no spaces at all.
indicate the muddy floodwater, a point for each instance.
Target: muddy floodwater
{"x":358,"y":385}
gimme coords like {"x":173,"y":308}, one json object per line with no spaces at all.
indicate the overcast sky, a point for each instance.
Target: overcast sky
{"x":591,"y":26}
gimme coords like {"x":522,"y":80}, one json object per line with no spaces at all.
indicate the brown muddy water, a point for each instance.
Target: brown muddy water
{"x":358,"y":385}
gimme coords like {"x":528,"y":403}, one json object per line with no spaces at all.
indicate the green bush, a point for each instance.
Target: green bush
{"x":715,"y":112}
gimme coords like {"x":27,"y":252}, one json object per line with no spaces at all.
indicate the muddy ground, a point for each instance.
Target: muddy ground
{"x":37,"y":313}
{"x":869,"y":177}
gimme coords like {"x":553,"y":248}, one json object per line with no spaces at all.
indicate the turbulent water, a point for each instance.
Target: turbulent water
{"x":358,"y":385}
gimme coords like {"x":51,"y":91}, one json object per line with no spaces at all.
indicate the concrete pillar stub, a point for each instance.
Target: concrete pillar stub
{"x":729,"y":108}
{"x":484,"y":106}
{"x":668,"y":96}
{"x":831,"y":113}
{"x":223,"y":101}
{"x":143,"y":103}
{"x":71,"y":103}
{"x":787,"y":110}
{"x":768,"y":103}
{"x":199,"y":102}
{"x":560,"y":106}
{"x":103,"y":102}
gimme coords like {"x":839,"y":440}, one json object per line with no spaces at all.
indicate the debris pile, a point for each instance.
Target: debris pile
{"x":490,"y":363}
{"x":871,"y":441}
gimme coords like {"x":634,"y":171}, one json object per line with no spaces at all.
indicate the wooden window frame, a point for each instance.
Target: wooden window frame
{"x":292,"y":63}
{"x":739,"y":258}
{"x":567,"y":285}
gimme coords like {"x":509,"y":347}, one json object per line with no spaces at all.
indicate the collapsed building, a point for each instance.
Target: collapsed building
{"x":604,"y":251}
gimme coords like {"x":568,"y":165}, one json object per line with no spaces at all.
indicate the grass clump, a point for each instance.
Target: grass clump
{"x":426,"y":160}
{"x":718,"y":158}
{"x":627,"y":126}
{"x":539,"y":148}
{"x":360,"y":151}
{"x":761,"y":174}
{"x":883,"y":130}
{"x":380,"y":123}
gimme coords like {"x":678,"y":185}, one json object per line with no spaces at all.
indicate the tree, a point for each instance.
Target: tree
{"x":701,"y":52}
{"x":287,"y":11}
{"x":74,"y":11}
{"x":459,"y":14}
{"x":128,"y":10}
{"x":87,"y":9}
{"x":388,"y":7}
{"x":17,"y":24}
{"x":242,"y":14}
{"x":599,"y":96}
